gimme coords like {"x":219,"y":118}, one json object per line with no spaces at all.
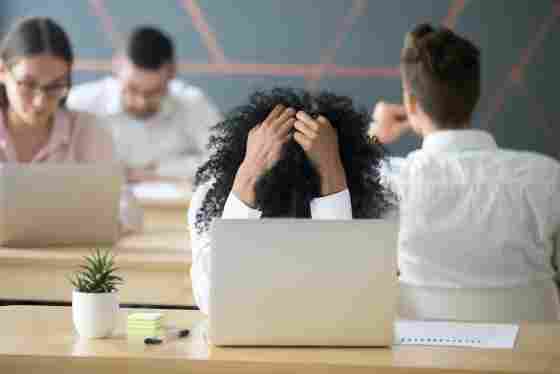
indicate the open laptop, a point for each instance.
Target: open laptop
{"x":303,"y":282}
{"x":59,"y":204}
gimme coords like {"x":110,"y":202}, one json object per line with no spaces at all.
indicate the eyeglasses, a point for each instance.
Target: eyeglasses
{"x":31,"y":89}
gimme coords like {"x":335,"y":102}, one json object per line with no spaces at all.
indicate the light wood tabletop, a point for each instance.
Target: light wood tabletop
{"x":154,"y":264}
{"x":165,"y":205}
{"x":41,"y":339}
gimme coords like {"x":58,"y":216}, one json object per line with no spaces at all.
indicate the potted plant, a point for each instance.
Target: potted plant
{"x":95,"y":303}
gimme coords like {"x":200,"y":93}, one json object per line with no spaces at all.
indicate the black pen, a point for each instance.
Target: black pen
{"x":167,"y":337}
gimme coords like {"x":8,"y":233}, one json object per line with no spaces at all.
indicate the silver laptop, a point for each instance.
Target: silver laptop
{"x":303,"y":282}
{"x":59,"y":204}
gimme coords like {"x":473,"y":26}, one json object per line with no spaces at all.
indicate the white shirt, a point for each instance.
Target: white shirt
{"x":335,"y":206}
{"x":175,"y":137}
{"x":474,"y":215}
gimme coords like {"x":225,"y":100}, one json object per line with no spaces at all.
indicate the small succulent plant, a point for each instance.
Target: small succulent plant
{"x":97,"y":275}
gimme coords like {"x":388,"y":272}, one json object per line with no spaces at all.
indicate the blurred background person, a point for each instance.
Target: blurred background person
{"x":35,"y":126}
{"x":159,"y":124}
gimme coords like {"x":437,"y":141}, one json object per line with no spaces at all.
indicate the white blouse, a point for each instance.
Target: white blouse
{"x":473,"y":215}
{"x":335,"y":206}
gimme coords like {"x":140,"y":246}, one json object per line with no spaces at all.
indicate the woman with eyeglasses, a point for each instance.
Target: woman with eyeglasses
{"x":35,"y":76}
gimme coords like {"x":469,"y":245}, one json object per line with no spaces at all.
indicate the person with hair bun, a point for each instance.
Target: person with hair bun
{"x":36,"y":61}
{"x":479,"y":224}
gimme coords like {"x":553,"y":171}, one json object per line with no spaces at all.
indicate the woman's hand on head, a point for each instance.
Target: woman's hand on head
{"x":264,"y":149}
{"x":319,"y":140}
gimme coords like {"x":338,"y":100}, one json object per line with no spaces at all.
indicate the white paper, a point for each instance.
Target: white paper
{"x":479,"y":335}
{"x":158,"y":191}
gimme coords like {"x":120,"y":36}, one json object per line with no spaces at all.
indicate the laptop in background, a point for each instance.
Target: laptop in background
{"x":303,"y":282}
{"x":59,"y":204}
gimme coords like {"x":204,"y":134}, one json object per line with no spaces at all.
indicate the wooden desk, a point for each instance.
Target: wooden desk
{"x":154,"y":264}
{"x":41,"y":339}
{"x":168,"y":212}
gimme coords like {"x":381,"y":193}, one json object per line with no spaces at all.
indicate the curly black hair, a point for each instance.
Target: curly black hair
{"x":287,"y":189}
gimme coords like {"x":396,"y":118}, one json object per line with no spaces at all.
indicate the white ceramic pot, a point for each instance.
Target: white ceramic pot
{"x":95,"y":315}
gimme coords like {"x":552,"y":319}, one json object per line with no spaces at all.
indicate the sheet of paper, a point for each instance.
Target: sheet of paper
{"x":158,"y":191}
{"x":479,"y":335}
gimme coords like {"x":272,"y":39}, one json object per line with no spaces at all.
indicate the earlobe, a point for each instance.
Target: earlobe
{"x":412,"y":104}
{"x":117,"y":63}
{"x":172,"y":71}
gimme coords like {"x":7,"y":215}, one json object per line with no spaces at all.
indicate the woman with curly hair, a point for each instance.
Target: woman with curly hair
{"x":287,"y":153}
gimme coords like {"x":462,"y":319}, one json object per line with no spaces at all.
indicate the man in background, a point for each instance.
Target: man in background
{"x":159,"y":124}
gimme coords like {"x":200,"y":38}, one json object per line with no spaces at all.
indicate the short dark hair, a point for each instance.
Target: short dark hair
{"x":287,"y":189}
{"x":150,"y":48}
{"x":33,"y":36}
{"x":442,"y":70}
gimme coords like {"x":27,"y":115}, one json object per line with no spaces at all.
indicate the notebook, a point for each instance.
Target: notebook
{"x":303,"y":282}
{"x":59,"y":204}
{"x":458,"y":334}
{"x":162,"y":193}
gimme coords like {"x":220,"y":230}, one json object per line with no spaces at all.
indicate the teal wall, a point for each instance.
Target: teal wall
{"x":521,"y":34}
